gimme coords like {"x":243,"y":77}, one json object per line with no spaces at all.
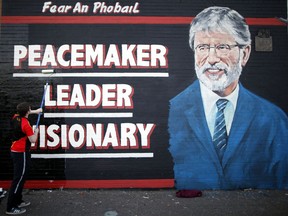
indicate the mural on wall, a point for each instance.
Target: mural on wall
{"x":113,"y":115}
{"x":222,"y":135}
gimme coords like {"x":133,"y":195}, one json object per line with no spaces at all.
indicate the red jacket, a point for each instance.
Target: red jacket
{"x":22,"y":130}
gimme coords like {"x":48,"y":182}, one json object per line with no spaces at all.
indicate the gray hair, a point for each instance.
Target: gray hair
{"x":223,"y":20}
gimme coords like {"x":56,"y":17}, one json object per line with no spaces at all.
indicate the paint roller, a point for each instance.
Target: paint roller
{"x":46,"y":72}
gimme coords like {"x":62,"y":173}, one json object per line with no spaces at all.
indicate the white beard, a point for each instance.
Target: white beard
{"x":216,"y":82}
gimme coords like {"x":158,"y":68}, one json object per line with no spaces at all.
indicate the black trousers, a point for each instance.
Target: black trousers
{"x":21,"y":162}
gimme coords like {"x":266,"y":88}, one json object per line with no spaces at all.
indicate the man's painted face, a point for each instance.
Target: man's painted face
{"x":217,"y":65}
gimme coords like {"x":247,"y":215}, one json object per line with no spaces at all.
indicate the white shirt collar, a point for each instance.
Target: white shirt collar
{"x":209,"y":98}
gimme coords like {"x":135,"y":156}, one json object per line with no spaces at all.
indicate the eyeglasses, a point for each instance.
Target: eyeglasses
{"x":221,"y":49}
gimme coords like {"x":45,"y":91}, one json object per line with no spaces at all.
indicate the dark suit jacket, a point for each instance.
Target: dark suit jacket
{"x":257,"y":150}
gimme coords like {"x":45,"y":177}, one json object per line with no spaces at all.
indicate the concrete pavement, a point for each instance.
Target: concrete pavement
{"x":160,"y":202}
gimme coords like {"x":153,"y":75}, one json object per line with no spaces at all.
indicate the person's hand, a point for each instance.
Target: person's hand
{"x":36,"y":131}
{"x":39,"y":110}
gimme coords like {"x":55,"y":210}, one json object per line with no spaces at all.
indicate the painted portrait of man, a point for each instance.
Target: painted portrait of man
{"x":222,"y":136}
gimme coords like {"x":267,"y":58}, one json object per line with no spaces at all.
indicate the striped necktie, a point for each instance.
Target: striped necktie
{"x":220,"y":133}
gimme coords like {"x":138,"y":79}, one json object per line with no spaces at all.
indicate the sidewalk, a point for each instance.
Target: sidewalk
{"x":162,"y":202}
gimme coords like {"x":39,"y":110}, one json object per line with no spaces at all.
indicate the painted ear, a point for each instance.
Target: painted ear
{"x":246,"y":54}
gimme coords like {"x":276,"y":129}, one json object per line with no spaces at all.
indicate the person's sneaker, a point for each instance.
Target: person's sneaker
{"x":24,"y":204}
{"x":16,"y":211}
{"x":3,"y":193}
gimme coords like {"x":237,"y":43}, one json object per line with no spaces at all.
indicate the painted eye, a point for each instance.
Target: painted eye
{"x":202,"y":47}
{"x":223,"y":47}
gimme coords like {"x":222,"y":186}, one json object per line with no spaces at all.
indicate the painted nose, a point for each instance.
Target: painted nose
{"x":212,"y":57}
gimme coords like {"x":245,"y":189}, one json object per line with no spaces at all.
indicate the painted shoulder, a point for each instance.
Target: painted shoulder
{"x":260,"y":104}
{"x":187,"y":95}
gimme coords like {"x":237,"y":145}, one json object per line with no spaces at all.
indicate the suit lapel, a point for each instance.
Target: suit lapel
{"x":197,"y":122}
{"x":243,"y":117}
